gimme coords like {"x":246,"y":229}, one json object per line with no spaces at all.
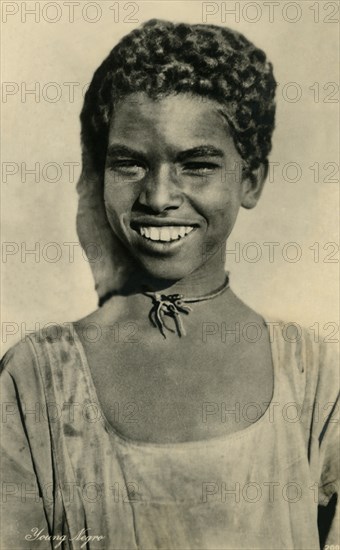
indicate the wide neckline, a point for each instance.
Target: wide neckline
{"x":182,"y":445}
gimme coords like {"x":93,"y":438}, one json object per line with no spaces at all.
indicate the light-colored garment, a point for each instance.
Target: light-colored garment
{"x":67,"y":473}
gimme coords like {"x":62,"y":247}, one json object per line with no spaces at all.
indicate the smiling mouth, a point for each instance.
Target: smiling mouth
{"x":164,"y":234}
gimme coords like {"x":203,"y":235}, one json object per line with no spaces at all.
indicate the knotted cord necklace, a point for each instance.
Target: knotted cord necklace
{"x":173,"y":305}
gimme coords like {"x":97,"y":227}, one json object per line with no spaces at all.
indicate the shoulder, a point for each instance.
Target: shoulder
{"x":17,"y":358}
{"x":36,"y":349}
{"x":309,"y":361}
{"x":47,"y":367}
{"x":314,"y":350}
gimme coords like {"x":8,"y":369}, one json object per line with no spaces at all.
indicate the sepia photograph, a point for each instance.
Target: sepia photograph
{"x":170,"y":275}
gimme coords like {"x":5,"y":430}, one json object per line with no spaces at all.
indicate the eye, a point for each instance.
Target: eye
{"x":200,"y":168}
{"x":129,"y":169}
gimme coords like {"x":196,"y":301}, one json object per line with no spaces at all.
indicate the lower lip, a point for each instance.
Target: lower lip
{"x":164,"y":246}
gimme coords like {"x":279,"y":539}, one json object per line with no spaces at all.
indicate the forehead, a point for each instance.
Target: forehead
{"x":177,"y":121}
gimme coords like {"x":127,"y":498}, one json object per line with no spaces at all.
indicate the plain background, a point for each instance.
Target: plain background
{"x":51,"y":285}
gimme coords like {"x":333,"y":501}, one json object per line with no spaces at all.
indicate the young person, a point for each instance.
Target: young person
{"x":150,"y":434}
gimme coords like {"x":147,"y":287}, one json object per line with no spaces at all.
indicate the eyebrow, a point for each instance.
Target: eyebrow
{"x":116,"y":151}
{"x":200,"y":151}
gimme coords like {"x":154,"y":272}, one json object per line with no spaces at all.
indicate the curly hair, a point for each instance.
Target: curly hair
{"x":162,"y":58}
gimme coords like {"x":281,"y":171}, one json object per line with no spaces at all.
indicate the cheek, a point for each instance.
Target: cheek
{"x":114,"y":208}
{"x":224,"y":220}
{"x":110,"y":207}
{"x":117,"y":199}
{"x":220,"y":209}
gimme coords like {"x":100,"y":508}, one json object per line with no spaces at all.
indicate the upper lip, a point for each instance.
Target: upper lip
{"x":162,"y":222}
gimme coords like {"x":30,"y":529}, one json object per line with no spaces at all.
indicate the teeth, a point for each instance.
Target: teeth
{"x":165,"y":233}
{"x":174,"y":232}
{"x":154,"y":234}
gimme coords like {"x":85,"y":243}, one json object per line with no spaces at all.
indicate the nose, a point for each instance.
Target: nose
{"x":160,"y":190}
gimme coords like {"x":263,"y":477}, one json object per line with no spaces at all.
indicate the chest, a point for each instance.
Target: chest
{"x":181,"y":390}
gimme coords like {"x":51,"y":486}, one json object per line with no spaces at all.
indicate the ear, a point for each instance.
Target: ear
{"x":252,"y":186}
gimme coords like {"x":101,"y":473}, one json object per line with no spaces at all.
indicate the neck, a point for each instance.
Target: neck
{"x":195,"y":284}
{"x":167,"y":313}
{"x":208,"y":278}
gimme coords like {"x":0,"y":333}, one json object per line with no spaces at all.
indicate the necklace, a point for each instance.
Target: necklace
{"x":173,"y":305}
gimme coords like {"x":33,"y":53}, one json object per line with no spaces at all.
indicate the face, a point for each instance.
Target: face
{"x":172,"y":182}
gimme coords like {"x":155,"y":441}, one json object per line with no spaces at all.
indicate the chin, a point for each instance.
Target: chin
{"x":166,"y":270}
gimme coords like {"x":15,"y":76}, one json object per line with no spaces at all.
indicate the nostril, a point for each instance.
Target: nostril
{"x":158,"y":201}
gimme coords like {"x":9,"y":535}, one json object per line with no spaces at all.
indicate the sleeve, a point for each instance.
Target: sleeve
{"x":329,"y":447}
{"x":23,"y":519}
